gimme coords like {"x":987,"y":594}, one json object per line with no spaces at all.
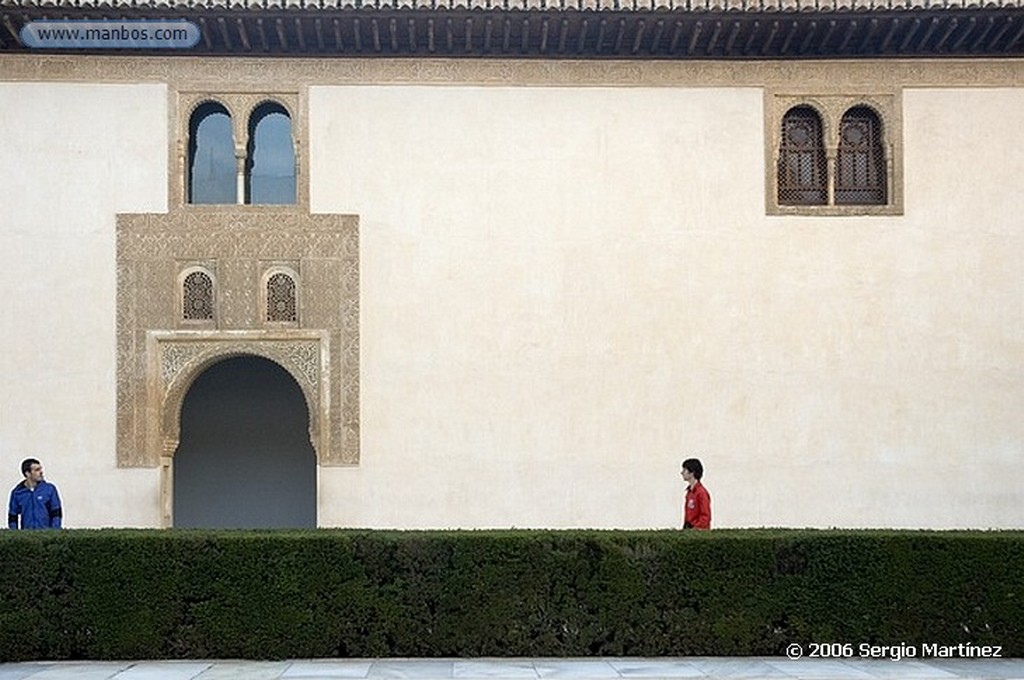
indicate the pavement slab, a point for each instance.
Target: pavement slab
{"x":678,"y":668}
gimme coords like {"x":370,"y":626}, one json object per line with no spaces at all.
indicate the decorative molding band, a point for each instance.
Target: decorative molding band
{"x":274,"y":74}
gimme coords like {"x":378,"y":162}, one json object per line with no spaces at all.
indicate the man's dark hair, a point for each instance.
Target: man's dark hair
{"x":694,"y":467}
{"x":27,"y":464}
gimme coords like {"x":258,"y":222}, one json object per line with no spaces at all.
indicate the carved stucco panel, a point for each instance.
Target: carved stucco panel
{"x":157,"y":359}
{"x":173,"y":360}
{"x":238,"y":293}
{"x":318,"y":274}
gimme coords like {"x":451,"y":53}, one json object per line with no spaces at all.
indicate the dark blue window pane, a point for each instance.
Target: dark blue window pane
{"x":212,"y":177}
{"x":271,"y":157}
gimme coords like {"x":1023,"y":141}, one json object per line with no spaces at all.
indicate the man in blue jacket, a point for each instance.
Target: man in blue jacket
{"x":34,"y":500}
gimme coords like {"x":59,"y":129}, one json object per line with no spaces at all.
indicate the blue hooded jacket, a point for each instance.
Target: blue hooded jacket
{"x":39,"y":508}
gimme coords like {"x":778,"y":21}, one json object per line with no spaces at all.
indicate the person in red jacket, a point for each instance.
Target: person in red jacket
{"x":697,"y":506}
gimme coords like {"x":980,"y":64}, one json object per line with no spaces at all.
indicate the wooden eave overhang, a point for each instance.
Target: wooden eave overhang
{"x":557,"y":29}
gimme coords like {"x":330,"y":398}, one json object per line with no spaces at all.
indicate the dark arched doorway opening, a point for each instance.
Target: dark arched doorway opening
{"x":244,"y":459}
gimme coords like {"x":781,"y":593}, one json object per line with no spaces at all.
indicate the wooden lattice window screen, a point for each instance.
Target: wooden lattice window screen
{"x":860,"y":164}
{"x":803,"y":171}
{"x":197,"y":297}
{"x":282,"y":305}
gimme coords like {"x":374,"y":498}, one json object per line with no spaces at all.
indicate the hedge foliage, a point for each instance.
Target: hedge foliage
{"x":128,"y":594}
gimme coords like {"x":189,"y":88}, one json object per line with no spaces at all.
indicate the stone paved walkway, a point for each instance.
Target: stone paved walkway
{"x":701,"y":668}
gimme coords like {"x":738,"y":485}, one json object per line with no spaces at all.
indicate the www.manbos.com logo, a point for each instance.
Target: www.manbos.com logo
{"x":136,"y":34}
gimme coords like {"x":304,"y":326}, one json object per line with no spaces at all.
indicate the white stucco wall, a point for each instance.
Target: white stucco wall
{"x":567,"y":291}
{"x":564,"y":292}
{"x":71,"y":157}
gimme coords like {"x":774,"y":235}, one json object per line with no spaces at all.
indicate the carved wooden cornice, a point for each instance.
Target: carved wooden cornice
{"x":563,"y":29}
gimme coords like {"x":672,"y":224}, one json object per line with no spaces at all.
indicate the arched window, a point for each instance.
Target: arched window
{"x":803,"y":172}
{"x":197,"y":296}
{"x":281,"y":298}
{"x":270,"y":165}
{"x":211,"y":156}
{"x":860,"y":164}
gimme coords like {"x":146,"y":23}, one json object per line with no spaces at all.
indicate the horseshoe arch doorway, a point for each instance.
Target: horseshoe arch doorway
{"x":244,"y":459}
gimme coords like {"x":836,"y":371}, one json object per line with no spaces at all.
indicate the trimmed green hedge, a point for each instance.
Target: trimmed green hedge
{"x":121,"y":594}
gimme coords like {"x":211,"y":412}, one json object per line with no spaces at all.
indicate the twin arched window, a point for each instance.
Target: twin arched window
{"x":215,"y":175}
{"x":859,"y":171}
{"x":279,"y":298}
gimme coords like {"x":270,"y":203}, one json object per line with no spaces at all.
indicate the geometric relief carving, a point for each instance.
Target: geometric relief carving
{"x":181,"y":352}
{"x":208,"y":76}
{"x":158,"y":358}
{"x":173,"y":359}
{"x":181,"y":356}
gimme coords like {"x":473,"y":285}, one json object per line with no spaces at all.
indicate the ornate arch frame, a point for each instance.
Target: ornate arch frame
{"x":176,"y":358}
